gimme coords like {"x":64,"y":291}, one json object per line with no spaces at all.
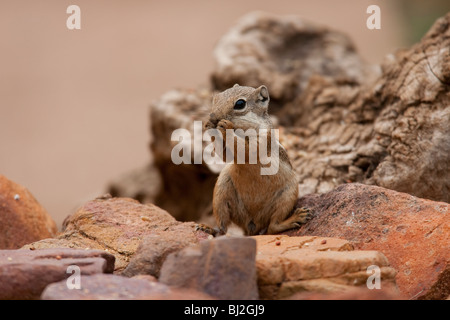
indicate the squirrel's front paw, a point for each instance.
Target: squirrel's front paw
{"x":209,"y":125}
{"x":225,"y":124}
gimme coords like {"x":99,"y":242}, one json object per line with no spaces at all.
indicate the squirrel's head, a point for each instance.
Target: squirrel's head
{"x":246,"y":107}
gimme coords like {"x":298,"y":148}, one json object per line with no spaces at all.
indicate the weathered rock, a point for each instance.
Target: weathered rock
{"x":223,"y":268}
{"x":290,"y":265}
{"x":142,"y":184}
{"x":353,"y":294}
{"x":25,"y":273}
{"x":392,"y":132}
{"x":22,"y":218}
{"x":154,"y":249}
{"x":116,"y":225}
{"x":146,"y":277}
{"x":178,"y":109}
{"x":283,"y":52}
{"x":414,"y":125}
{"x":413,"y":233}
{"x":113,"y":287}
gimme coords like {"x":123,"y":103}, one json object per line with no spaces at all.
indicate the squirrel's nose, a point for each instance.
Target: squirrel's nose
{"x":213,"y":118}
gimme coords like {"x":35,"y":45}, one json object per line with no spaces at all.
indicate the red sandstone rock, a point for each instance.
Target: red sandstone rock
{"x":413,"y":233}
{"x":25,"y":273}
{"x":307,"y":265}
{"x":113,"y":287}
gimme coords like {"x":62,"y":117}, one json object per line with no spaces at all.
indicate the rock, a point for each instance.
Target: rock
{"x":353,"y":294}
{"x":146,"y":277}
{"x":116,"y":225}
{"x":22,"y":218}
{"x":283,"y":52}
{"x":178,"y":109}
{"x":223,"y":268}
{"x":25,"y":273}
{"x":154,"y":249}
{"x":113,"y":287}
{"x":391,"y":132}
{"x":413,"y":233}
{"x":414,"y":124}
{"x":290,"y":265}
{"x":142,"y":184}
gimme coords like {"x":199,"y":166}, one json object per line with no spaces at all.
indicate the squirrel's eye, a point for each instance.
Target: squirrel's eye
{"x":239,"y":105}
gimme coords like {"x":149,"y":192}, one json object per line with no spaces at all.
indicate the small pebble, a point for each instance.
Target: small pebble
{"x":323,"y":242}
{"x":278,"y":243}
{"x":58,"y":257}
{"x":16,"y":197}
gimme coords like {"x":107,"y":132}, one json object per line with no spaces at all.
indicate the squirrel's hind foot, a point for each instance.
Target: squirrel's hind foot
{"x":301,"y":216}
{"x":207,"y":229}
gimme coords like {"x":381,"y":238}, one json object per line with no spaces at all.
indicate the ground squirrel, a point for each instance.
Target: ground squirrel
{"x":259,"y":204}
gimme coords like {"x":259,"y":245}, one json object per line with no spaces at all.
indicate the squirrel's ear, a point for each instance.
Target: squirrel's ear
{"x":236,"y":85}
{"x":263,"y":95}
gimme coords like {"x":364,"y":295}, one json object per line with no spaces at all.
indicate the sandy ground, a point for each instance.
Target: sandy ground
{"x":74,"y":104}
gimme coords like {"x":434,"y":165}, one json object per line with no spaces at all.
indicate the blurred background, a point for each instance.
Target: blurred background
{"x":74,"y":103}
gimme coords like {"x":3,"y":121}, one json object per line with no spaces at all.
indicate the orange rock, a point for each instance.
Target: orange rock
{"x":312,"y":265}
{"x":413,"y":233}
{"x":22,"y":218}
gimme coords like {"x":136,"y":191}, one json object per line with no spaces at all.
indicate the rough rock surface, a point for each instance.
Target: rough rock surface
{"x":413,"y":233}
{"x":25,"y":273}
{"x":142,"y":184}
{"x":290,"y":265}
{"x":113,"y":287}
{"x":116,"y":225}
{"x":358,"y":293}
{"x":223,"y":268}
{"x":154,"y":249}
{"x":392,"y":132}
{"x":283,"y":52}
{"x":22,"y":218}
